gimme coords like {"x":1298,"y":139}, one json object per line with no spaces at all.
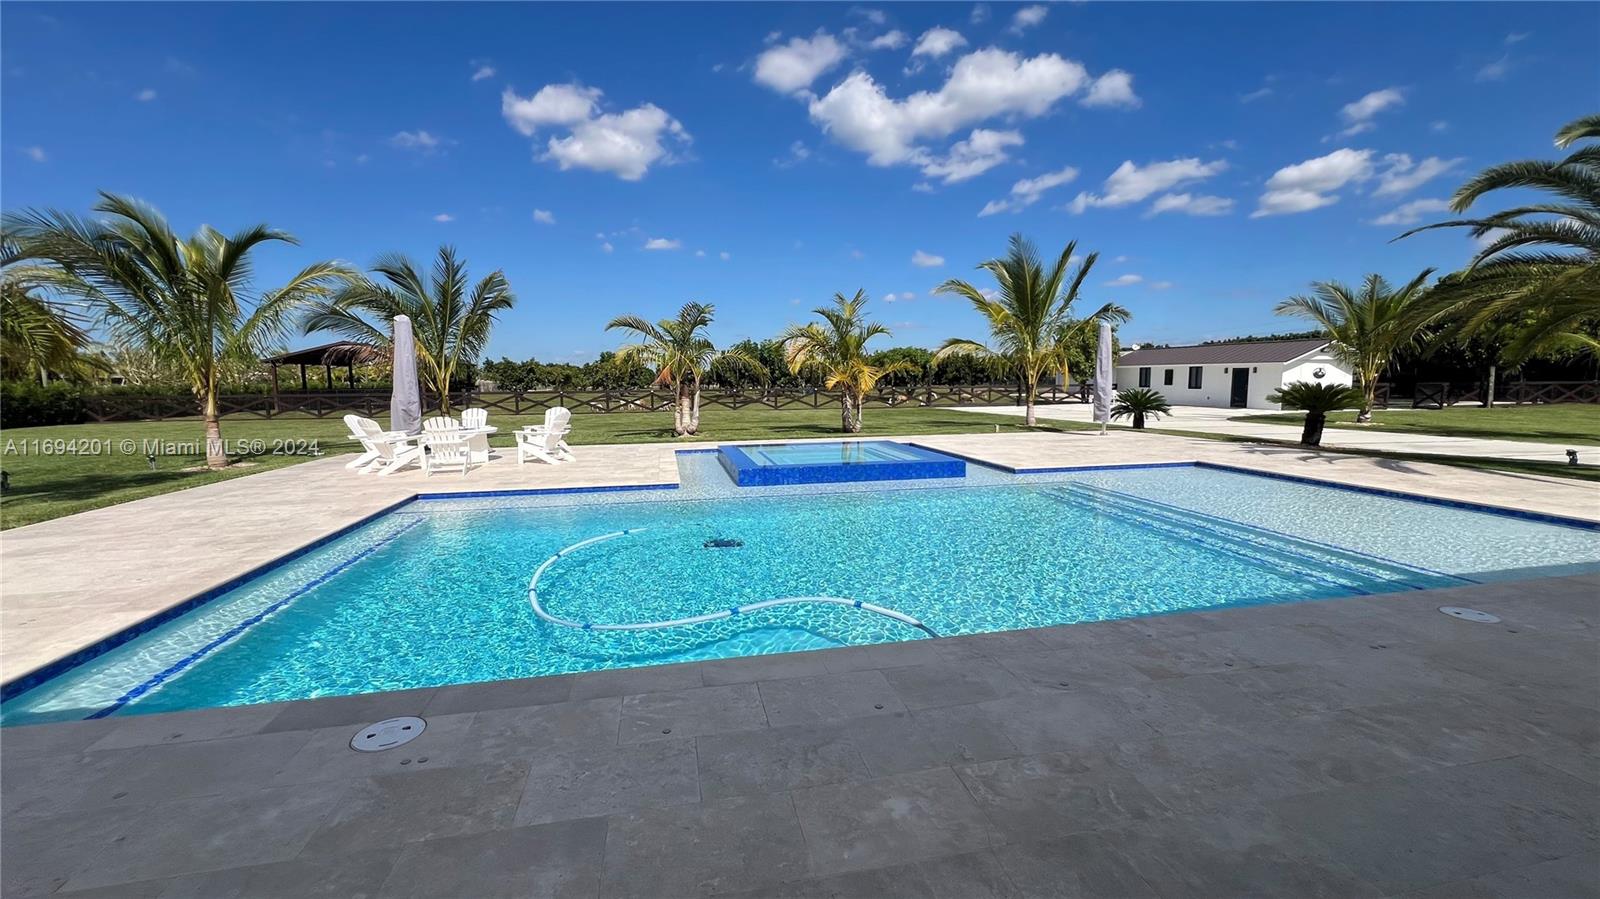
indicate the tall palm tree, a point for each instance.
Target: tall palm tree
{"x":38,"y":336}
{"x":189,"y":299}
{"x":1076,"y":336}
{"x":1368,"y":326}
{"x":451,"y":324}
{"x":837,"y":348}
{"x":681,"y":354}
{"x":1028,"y":315}
{"x":1542,"y":259}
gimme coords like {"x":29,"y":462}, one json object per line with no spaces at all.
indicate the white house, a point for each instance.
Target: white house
{"x":1239,"y":375}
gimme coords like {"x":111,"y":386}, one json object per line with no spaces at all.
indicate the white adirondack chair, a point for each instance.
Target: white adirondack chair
{"x":369,"y":453}
{"x":394,"y":451}
{"x":477,"y":444}
{"x":446,"y":445}
{"x":547,"y":443}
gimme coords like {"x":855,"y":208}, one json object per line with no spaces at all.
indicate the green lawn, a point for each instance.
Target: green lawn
{"x":1568,"y":423}
{"x":101,"y":473}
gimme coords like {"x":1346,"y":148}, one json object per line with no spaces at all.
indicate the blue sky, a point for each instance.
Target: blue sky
{"x":627,"y":158}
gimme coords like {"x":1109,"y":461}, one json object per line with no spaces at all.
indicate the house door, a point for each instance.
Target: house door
{"x":1240,"y":395}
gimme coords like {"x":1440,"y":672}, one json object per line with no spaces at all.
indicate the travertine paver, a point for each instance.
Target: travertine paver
{"x":1407,"y":754}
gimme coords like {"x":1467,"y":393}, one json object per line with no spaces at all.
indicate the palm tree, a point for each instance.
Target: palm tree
{"x":38,"y":336}
{"x":189,"y":299}
{"x":1027,"y":314}
{"x":1541,"y":260}
{"x":837,"y":349}
{"x":1076,"y":337}
{"x":1317,"y":400}
{"x":681,"y":355}
{"x":451,"y":325}
{"x":1140,"y":402}
{"x":1369,"y":326}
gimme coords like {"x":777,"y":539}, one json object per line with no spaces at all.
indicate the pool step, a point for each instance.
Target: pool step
{"x":1325,"y":563}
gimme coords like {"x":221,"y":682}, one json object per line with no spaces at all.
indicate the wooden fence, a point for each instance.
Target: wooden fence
{"x":322,"y":404}
{"x":1438,"y":394}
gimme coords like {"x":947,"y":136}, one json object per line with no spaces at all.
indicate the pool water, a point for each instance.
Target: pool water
{"x":843,"y":453}
{"x":828,"y":462}
{"x":436,"y":592}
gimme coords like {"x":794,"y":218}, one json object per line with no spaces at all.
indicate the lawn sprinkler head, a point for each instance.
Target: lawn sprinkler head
{"x":1572,"y":457}
{"x":151,"y":458}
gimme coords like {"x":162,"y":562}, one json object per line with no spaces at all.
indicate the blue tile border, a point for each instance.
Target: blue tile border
{"x":1542,"y":517}
{"x":51,"y":670}
{"x":928,"y":464}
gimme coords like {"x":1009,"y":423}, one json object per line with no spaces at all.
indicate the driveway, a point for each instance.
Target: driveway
{"x":1212,"y":420}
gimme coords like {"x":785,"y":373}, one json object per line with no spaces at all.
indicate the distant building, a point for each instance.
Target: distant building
{"x":1237,"y":375}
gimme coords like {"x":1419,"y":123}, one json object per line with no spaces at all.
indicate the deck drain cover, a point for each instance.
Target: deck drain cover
{"x":1469,"y":615}
{"x":387,"y":734}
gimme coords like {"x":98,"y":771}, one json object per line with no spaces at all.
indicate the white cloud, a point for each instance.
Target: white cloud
{"x":980,"y":152}
{"x":606,"y":247}
{"x":1403,"y":176}
{"x":798,"y":153}
{"x":1439,"y":127}
{"x":1028,"y":191}
{"x":1124,"y":280}
{"x":979,"y":14}
{"x":724,"y":255}
{"x":662,"y":243}
{"x":875,"y":16}
{"x":1495,"y":71}
{"x":791,"y":67}
{"x":624,"y":143}
{"x":1131,"y":183}
{"x":422,"y":141}
{"x":1517,"y":37}
{"x":1191,"y":204}
{"x":1114,"y":88}
{"x":699,"y":254}
{"x":146,"y":95}
{"x":1411,"y":213}
{"x":36,"y":153}
{"x":1027,"y":17}
{"x":985,"y":84}
{"x":936,"y":42}
{"x":894,"y":40}
{"x":1260,"y":93}
{"x":899,"y":297}
{"x":361,"y":158}
{"x":444,"y":217}
{"x":544,"y":216}
{"x":1161,"y":285}
{"x":1309,"y":185}
{"x":553,"y":104}
{"x":926,"y":260}
{"x":1358,"y":114}
{"x":483,"y":73}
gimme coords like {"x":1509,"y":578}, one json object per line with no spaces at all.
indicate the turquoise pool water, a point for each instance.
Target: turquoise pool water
{"x":844,"y":453}
{"x":436,"y":592}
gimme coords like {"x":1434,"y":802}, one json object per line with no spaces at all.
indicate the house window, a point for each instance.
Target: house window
{"x":1144,"y":377}
{"x":1194,"y":377}
{"x":1167,"y":378}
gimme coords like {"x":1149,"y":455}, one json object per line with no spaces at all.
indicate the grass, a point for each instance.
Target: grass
{"x":103,"y":472}
{"x":1566,"y":423}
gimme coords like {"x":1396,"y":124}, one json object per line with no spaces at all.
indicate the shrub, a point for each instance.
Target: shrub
{"x":24,"y":404}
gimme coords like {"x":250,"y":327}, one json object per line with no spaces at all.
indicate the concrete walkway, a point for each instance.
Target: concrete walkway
{"x":1221,"y":421}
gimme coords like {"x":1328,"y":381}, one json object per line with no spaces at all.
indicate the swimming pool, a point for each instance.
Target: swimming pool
{"x":827,"y":462}
{"x":436,"y":592}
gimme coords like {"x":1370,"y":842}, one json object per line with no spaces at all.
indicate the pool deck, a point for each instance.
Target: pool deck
{"x":1365,"y":746}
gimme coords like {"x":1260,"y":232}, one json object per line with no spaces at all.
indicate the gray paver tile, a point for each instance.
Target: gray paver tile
{"x":185,"y":727}
{"x":929,"y":738}
{"x":1180,"y":704}
{"x":562,"y":727}
{"x":629,"y":681}
{"x":1057,"y":794}
{"x":501,"y":694}
{"x":159,"y":773}
{"x":1072,"y":668}
{"x":327,"y":754}
{"x":890,"y":820}
{"x":1576,"y":876}
{"x":351,"y":711}
{"x":1049,"y":722}
{"x":690,"y":713}
{"x":828,"y":697}
{"x":884,"y":655}
{"x":749,"y":669}
{"x":973,"y":875}
{"x":776,"y":759}
{"x":1216,"y":769}
{"x":395,"y":809}
{"x":356,"y":876}
{"x":1456,"y":823}
{"x":605,"y":780}
{"x":1081,"y":866}
{"x":724,"y":846}
{"x":951,"y":683}
{"x":561,"y":861}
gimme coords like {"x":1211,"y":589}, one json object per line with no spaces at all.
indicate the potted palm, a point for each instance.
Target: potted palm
{"x":1141,"y":403}
{"x":1316,"y":400}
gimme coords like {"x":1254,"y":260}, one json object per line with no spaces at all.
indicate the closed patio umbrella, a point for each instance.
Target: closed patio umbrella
{"x":405,"y":402}
{"x":1102,"y":377}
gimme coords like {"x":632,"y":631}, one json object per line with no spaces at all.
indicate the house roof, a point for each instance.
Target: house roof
{"x":1222,"y":353}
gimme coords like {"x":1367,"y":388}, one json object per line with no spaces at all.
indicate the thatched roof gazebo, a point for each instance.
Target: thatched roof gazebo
{"x":345,"y":353}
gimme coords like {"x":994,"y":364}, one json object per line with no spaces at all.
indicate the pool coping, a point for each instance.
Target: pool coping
{"x":47,"y":671}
